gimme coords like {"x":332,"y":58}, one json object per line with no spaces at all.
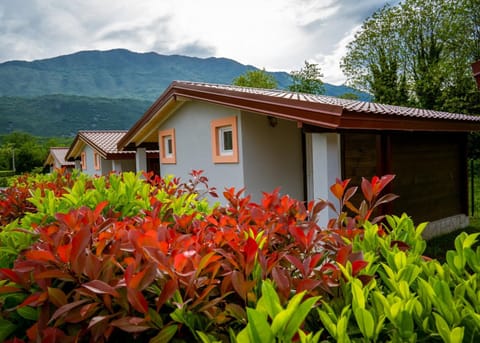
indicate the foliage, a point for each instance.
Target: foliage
{"x":307,"y":79}
{"x":416,"y":53}
{"x":175,"y":269}
{"x":257,"y":79}
{"x":25,"y":153}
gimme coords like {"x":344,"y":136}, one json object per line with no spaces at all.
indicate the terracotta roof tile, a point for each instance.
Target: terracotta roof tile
{"x":105,"y":141}
{"x":58,"y":154}
{"x":347,"y":104}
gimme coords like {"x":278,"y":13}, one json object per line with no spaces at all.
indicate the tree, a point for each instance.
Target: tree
{"x":256,"y":79}
{"x":307,"y":79}
{"x":418,"y":53}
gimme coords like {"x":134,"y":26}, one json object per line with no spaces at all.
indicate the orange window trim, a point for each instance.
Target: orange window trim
{"x":216,"y":125}
{"x":96,"y":160}
{"x":164,"y":157}
{"x":83,"y":160}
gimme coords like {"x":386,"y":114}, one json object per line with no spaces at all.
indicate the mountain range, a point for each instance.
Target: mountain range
{"x":105,"y":89}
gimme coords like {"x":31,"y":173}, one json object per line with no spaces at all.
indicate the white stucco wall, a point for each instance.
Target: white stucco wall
{"x":194,"y":147}
{"x":90,"y":164}
{"x":272,"y":156}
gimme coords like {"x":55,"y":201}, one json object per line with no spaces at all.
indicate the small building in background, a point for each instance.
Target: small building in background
{"x":95,"y":152}
{"x":56,"y":159}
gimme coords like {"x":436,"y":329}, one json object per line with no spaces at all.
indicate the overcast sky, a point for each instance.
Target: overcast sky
{"x":271,"y":34}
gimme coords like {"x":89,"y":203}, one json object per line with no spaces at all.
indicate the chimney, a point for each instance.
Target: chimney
{"x":476,"y":72}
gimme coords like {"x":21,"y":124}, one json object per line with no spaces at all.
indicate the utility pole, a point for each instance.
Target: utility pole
{"x":13,"y":160}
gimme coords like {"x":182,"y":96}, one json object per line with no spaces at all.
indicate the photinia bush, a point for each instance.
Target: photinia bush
{"x":151,"y":260}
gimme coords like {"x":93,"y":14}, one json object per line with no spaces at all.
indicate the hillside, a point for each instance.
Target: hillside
{"x":104,"y":89}
{"x":64,"y":115}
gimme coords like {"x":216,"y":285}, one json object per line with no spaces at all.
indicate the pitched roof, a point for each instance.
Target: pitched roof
{"x":103,"y":142}
{"x":316,"y":110}
{"x":56,"y":156}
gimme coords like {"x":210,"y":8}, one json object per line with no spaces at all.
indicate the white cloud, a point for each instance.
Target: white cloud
{"x":270,"y":34}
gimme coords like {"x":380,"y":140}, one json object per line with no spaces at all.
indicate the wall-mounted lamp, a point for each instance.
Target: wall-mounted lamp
{"x":272,"y":121}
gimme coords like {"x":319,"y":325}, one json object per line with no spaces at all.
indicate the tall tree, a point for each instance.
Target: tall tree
{"x":257,"y":79}
{"x":307,"y":79}
{"x":418,"y":53}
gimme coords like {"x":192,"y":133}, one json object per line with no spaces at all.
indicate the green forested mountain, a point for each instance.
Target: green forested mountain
{"x":103,"y":89}
{"x":64,"y":115}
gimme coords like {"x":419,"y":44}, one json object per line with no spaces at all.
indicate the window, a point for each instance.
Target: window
{"x":83,"y":160}
{"x":166,"y":139}
{"x":224,"y":140}
{"x":96,"y":161}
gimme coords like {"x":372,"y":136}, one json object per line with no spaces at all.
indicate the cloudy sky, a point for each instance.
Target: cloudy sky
{"x":271,"y":34}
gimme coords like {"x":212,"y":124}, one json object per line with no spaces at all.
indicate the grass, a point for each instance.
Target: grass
{"x":438,"y":246}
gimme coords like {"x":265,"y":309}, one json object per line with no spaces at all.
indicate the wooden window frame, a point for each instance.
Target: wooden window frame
{"x":97,"y":161}
{"x":83,"y":160}
{"x":167,"y":158}
{"x":218,"y":155}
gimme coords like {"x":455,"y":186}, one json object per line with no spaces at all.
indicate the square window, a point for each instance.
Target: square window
{"x":166,"y":140}
{"x":224,"y":140}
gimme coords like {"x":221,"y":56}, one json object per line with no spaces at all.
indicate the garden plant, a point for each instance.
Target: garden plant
{"x":148,"y":259}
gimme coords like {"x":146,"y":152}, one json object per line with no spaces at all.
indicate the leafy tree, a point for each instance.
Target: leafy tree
{"x":29,"y":152}
{"x":307,"y":79}
{"x":349,"y":96}
{"x":257,"y":79}
{"x":418,"y":53}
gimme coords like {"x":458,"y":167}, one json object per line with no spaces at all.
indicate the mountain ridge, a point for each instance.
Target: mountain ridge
{"x":109,"y":89}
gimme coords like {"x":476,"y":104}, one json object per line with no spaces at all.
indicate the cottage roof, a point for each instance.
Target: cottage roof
{"x":56,"y":156}
{"x":103,"y":142}
{"x":320,"y":111}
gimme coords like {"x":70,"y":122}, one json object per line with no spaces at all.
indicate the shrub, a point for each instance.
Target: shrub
{"x":176,"y":269}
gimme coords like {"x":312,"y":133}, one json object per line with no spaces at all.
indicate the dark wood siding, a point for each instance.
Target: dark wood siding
{"x":430,"y":169}
{"x":359,"y":155}
{"x":430,"y":174}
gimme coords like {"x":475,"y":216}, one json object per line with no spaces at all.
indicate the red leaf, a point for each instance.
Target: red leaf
{"x":297,"y":263}
{"x":143,"y":279}
{"x":66,"y":308}
{"x":307,"y":285}
{"x":137,"y":300}
{"x":167,"y":292}
{"x":367,"y":190}
{"x":35,"y":299}
{"x":357,"y":266}
{"x":100,"y":287}
{"x":40,"y":255}
{"x":64,"y":252}
{"x":9,"y":289}
{"x":343,"y":254}
{"x":54,"y":274}
{"x":130,"y":324}
{"x":12,"y":275}
{"x":78,"y":253}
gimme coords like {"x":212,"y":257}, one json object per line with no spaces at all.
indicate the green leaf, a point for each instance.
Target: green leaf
{"x":328,"y":323}
{"x":28,"y":312}
{"x":456,"y":336}
{"x":270,"y":299}
{"x":258,"y":327}
{"x":442,"y":327}
{"x":358,"y":296}
{"x":299,"y":316}
{"x":165,"y":335}
{"x":365,"y":321}
{"x":6,"y":329}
